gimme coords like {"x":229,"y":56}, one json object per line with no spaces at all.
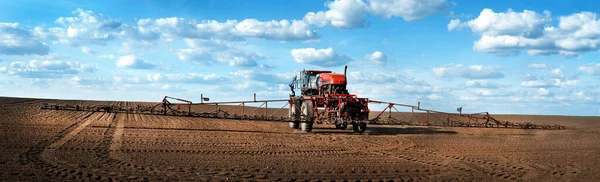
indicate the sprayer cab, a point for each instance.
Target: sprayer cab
{"x":320,"y":83}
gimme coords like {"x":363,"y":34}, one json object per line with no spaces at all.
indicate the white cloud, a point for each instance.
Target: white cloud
{"x":554,"y":77}
{"x":352,"y":13}
{"x":87,"y":50}
{"x":526,"y":23}
{"x":107,"y":56}
{"x":481,"y":84}
{"x":320,"y":57}
{"x":171,"y":87}
{"x":210,"y":52}
{"x":409,"y":10}
{"x":556,"y":71}
{"x":15,"y":40}
{"x":320,"y":19}
{"x":377,"y":57}
{"x":545,"y":83}
{"x":277,"y":30}
{"x":367,"y":77}
{"x":263,"y":76}
{"x":171,"y":28}
{"x":238,"y":58}
{"x":469,"y":98}
{"x":538,"y":66}
{"x":510,"y":32}
{"x":126,"y":79}
{"x":434,"y":97}
{"x":591,"y":68}
{"x":341,"y":14}
{"x":543,"y":91}
{"x":187,"y":78}
{"x":135,"y":46}
{"x":390,"y":85}
{"x":470,"y":72}
{"x":453,"y":24}
{"x":133,"y":62}
{"x":86,"y":27}
{"x":46,"y":69}
{"x":88,"y":81}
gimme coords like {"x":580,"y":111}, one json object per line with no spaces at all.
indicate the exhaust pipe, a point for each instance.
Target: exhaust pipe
{"x":345,"y":68}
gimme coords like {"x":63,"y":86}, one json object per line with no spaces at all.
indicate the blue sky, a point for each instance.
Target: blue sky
{"x":523,"y":57}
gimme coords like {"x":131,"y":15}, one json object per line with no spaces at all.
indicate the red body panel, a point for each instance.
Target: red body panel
{"x":316,"y":71}
{"x":331,"y":78}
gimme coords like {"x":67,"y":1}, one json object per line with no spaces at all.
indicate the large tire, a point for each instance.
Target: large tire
{"x":294,"y":124}
{"x":359,"y":127}
{"x":294,"y":114}
{"x":307,"y":116}
{"x":306,"y":127}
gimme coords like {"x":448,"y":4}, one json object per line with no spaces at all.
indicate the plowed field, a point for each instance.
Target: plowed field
{"x":43,"y":145}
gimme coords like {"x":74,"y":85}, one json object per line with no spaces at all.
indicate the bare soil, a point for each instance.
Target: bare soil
{"x":47,"y":145}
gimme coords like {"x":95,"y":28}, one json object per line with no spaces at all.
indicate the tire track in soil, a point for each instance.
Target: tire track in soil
{"x":63,"y":139}
{"x":483,"y":166}
{"x":40,"y":156}
{"x":562,"y":173}
{"x":106,"y":152}
{"x":374,"y":149}
{"x":446,"y":167}
{"x":392,"y":151}
{"x":111,"y":154}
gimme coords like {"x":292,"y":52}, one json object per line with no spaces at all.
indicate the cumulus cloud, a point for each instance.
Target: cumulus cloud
{"x":86,"y":27}
{"x":409,"y":10}
{"x":352,"y":13}
{"x":434,"y":97}
{"x":45,"y":69}
{"x":16,"y":40}
{"x":320,"y":57}
{"x":262,"y":76}
{"x":526,"y":23}
{"x":210,"y":52}
{"x":88,"y":81}
{"x":468,"y":98}
{"x":538,"y":66}
{"x":510,"y":32}
{"x":277,"y":30}
{"x":469,"y":72}
{"x":368,"y":77}
{"x":127,"y":79}
{"x":453,"y":24}
{"x":187,"y":78}
{"x":389,"y":84}
{"x":133,"y":62}
{"x":107,"y":56}
{"x":591,"y":68}
{"x":377,"y":57}
{"x":171,"y":28}
{"x":87,"y":50}
{"x":543,"y":91}
{"x":480,"y":84}
{"x":341,"y":14}
{"x":555,"y":79}
{"x":487,"y":93}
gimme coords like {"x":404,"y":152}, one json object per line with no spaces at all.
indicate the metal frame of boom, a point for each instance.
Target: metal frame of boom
{"x":481,"y":119}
